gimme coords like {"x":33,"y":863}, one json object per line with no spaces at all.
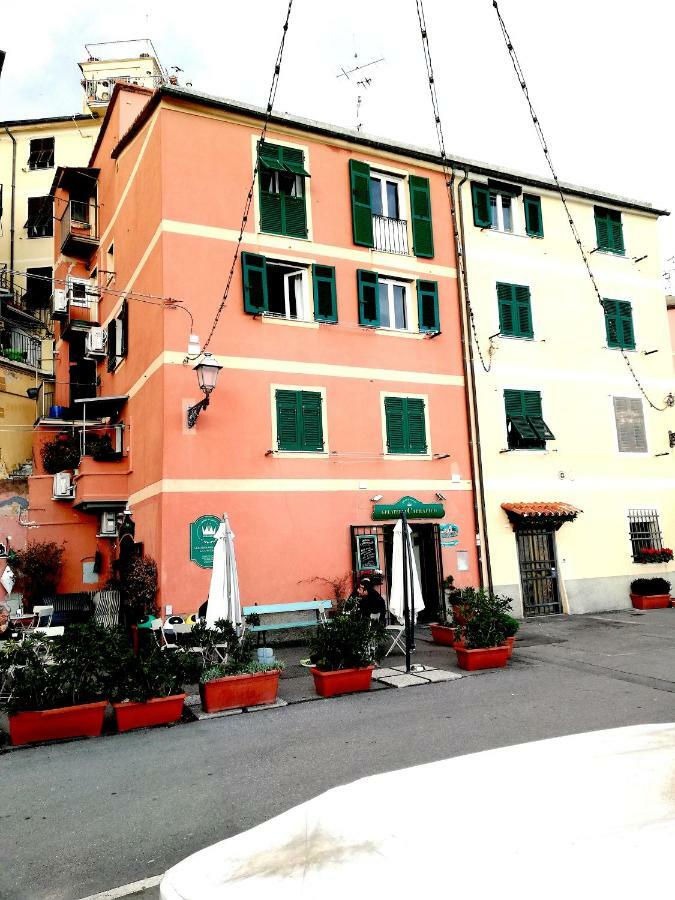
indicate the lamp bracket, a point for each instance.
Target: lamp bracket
{"x":193,"y":411}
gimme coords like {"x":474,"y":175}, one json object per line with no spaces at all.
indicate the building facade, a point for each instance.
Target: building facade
{"x":342,"y":395}
{"x":575,"y":454}
{"x":31,"y":150}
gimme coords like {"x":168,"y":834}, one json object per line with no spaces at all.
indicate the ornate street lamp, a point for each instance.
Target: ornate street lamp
{"x":207,"y":375}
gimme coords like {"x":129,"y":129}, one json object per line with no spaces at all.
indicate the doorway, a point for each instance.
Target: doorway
{"x":538,"y":571}
{"x":426,"y":545}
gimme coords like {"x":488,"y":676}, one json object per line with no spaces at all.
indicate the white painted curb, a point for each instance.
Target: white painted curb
{"x":127,"y":890}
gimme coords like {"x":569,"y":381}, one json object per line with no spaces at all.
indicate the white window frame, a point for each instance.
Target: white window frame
{"x":407,"y":288}
{"x":405,"y":457}
{"x":398,"y":180}
{"x":305,"y":308}
{"x":89,"y":291}
{"x":628,"y":453}
{"x":515,"y":212}
{"x":299,"y":454}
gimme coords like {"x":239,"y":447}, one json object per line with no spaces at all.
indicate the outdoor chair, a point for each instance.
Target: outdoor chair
{"x":107,"y":608}
{"x":160,"y":634}
{"x":396,"y":632}
{"x":42,"y":617}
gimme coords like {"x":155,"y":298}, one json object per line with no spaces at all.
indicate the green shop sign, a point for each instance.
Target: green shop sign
{"x":203,"y":540}
{"x":411,"y":507}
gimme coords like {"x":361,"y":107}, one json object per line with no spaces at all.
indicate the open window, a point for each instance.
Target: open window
{"x":525,"y":425}
{"x":41,"y":155}
{"x":280,"y":288}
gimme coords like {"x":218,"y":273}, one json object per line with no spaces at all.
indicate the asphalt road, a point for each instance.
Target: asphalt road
{"x":87,"y":816}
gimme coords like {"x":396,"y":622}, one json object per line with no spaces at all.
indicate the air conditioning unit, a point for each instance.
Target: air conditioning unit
{"x":95,"y":342}
{"x":64,"y":489}
{"x":59,"y":304}
{"x":108,"y":523}
{"x":118,"y":438}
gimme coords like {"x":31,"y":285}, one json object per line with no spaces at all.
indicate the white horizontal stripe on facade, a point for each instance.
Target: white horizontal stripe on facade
{"x":535,"y":376}
{"x":559,"y":489}
{"x":278,"y":244}
{"x":293,"y":485}
{"x":295,"y":367}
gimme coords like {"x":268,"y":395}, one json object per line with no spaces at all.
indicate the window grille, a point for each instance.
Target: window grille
{"x":644,"y":530}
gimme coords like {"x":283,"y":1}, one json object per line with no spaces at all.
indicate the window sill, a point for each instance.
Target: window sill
{"x":281,"y":320}
{"x":603,"y":251}
{"x":290,"y":237}
{"x":517,"y":337}
{"x":395,"y":332}
{"x":299,"y":454}
{"x":407,"y":457}
{"x":625,"y":349}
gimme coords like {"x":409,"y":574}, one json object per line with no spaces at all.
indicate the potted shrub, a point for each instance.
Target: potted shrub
{"x":462,"y":602}
{"x":650,"y":593}
{"x":100,"y":448}
{"x":240,"y":680}
{"x":482,"y":635}
{"x":344,"y":651}
{"x":443,"y":632}
{"x":511,"y":627}
{"x":148,"y":689}
{"x":65,"y":697}
{"x":38,"y":569}
{"x":61,"y":454}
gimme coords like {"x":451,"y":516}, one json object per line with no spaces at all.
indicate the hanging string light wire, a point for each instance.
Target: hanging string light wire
{"x":447,"y":172}
{"x":249,"y":197}
{"x":545,"y":148}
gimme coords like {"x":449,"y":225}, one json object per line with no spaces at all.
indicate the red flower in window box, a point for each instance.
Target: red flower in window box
{"x":654,"y":555}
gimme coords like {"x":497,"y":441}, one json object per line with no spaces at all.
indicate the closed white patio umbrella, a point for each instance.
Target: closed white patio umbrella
{"x":396,"y":590}
{"x":223,"y":602}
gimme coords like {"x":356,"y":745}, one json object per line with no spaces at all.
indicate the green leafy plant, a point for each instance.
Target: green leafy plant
{"x":137,"y":585}
{"x":222,"y":670}
{"x":100,"y":448}
{"x":81,"y":668}
{"x":347,"y":642}
{"x":153,"y":673}
{"x":511,"y":625}
{"x":649,"y":587}
{"x":38,"y":569}
{"x":485,"y":623}
{"x":240,"y":650}
{"x":61,"y":453}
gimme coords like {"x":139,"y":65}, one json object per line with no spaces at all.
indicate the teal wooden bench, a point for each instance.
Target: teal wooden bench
{"x":282,"y":616}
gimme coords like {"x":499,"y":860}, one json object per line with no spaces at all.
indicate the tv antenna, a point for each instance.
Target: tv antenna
{"x":360,"y":82}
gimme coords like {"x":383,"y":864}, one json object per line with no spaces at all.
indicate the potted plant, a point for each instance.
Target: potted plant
{"x":654,"y":555}
{"x":239,"y":680}
{"x":344,"y":651}
{"x":482,"y":635}
{"x":38,"y":569}
{"x":511,"y":627}
{"x":148,"y":688}
{"x":462,"y":602}
{"x":66,"y":696}
{"x":650,"y":593}
{"x":443,"y":632}
{"x":61,"y":454}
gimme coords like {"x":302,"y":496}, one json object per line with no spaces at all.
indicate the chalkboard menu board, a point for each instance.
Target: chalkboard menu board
{"x":367,"y":552}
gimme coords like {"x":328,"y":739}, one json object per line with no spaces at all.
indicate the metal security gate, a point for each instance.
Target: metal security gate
{"x":538,"y":571}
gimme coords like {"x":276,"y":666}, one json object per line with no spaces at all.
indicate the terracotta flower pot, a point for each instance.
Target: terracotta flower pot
{"x":84,"y":720}
{"x":655,"y":601}
{"x":482,"y":658}
{"x":234,"y":691}
{"x":156,"y":711}
{"x":442,"y":634}
{"x":342,"y":681}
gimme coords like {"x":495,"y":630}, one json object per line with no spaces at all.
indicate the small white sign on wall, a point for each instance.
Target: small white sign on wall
{"x":462,"y":560}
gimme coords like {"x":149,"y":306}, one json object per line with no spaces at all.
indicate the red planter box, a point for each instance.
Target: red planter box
{"x":85,"y":720}
{"x":156,"y":711}
{"x":442,"y":634}
{"x":235,"y":691}
{"x":342,"y":681}
{"x":483,"y":658}
{"x":510,"y":641}
{"x":656,"y":601}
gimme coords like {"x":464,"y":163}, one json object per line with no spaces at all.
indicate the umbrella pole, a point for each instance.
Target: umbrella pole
{"x":406,"y":608}
{"x":409,"y":559}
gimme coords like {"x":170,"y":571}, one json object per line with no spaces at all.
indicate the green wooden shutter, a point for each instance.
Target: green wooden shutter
{"x":269,"y":155}
{"x":427,"y":306}
{"x":271,"y":218}
{"x":416,"y":425}
{"x":394,"y":417}
{"x":601,"y":229}
{"x":310,"y":414}
{"x":513,"y":402}
{"x":254,"y":276}
{"x":612,"y":325}
{"x":293,"y":160}
{"x":124,"y":325}
{"x":616,"y":232}
{"x":625,"y":324}
{"x":515,"y":310}
{"x":531,"y":401}
{"x":609,"y":230}
{"x":534,"y":224}
{"x":112,"y":344}
{"x":369,"y":304}
{"x":480,"y":195}
{"x":293,"y":215}
{"x":325,"y":299}
{"x":289,"y":432}
{"x":420,"y":213}
{"x":362,"y":214}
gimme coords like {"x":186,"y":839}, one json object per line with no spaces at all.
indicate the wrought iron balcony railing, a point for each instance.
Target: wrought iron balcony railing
{"x":390,"y":235}
{"x":16,"y":346}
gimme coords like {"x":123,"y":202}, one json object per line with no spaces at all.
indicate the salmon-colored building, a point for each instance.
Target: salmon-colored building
{"x":342,"y":391}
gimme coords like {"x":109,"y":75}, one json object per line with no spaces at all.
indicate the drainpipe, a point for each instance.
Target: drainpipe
{"x":469,"y":376}
{"x":11,"y":213}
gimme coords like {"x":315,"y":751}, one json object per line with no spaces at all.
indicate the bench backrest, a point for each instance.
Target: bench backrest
{"x":264,"y":609}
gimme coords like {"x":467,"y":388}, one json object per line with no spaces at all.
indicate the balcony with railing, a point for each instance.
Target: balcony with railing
{"x":16,"y":346}
{"x":99,"y":90}
{"x":390,"y":235}
{"x":79,"y":229}
{"x":75,"y":307}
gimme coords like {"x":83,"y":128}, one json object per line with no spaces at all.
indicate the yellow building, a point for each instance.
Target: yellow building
{"x":30,"y":152}
{"x":572,"y":450}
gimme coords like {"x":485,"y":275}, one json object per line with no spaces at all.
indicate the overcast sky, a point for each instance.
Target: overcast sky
{"x":598,"y":72}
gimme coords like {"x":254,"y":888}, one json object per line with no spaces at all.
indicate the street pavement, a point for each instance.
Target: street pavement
{"x":88,"y":816}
